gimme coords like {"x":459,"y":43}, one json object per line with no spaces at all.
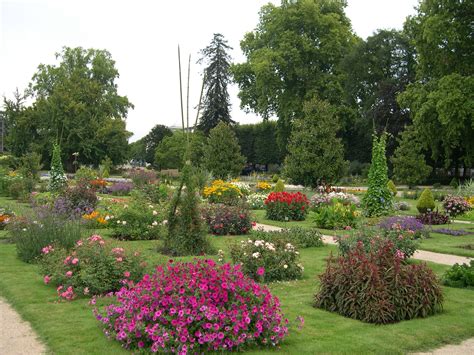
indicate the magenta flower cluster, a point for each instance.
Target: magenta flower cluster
{"x":194,"y":308}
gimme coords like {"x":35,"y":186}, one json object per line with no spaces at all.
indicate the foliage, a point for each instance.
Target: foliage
{"x":377,"y":70}
{"x":224,"y":220}
{"x":153,"y":139}
{"x":76,"y":200}
{"x":222,"y":192}
{"x":76,"y":104}
{"x":85,"y":173}
{"x":267,"y":261}
{"x":308,"y":163}
{"x":336,"y":216}
{"x":407,"y":224}
{"x":243,"y":187}
{"x":286,"y":206}
{"x":300,"y":237}
{"x":409,"y":164}
{"x":257,"y":201}
{"x":455,"y":205}
{"x":460,"y":276}
{"x":378,"y":199}
{"x":105,"y":167}
{"x":31,"y":234}
{"x":433,"y":218}
{"x":96,"y":219}
{"x":403,"y":242}
{"x":186,"y":233}
{"x":170,"y":151}
{"x":197,"y":307}
{"x":154,"y":192}
{"x":57,"y":178}
{"x":392,"y":187}
{"x":137,"y":221}
{"x":222,"y":153}
{"x":293,"y":55}
{"x":91,"y":267}
{"x":466,"y":189}
{"x":30,"y":165}
{"x":401,"y":206}
{"x":426,"y":202}
{"x":15,"y":185}
{"x":377,"y":287}
{"x":216,"y":101}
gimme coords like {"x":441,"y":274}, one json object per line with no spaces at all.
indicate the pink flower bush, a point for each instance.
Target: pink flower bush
{"x":194,"y":308}
{"x":91,"y":267}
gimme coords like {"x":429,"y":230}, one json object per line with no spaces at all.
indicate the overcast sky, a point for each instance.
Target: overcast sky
{"x":142,"y":36}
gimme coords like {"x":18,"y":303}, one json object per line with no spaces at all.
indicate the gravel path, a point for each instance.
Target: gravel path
{"x":445,"y":259}
{"x":16,"y":335}
{"x":465,"y":348}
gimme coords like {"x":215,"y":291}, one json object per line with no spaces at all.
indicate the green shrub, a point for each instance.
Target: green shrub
{"x":300,"y":237}
{"x":105,"y":167}
{"x":404,"y":243}
{"x":336,"y":216}
{"x":85,"y":173}
{"x":32,"y":234}
{"x":426,"y":202}
{"x":392,"y":187}
{"x":30,"y":166}
{"x":437,"y":185}
{"x":20,"y":187}
{"x":57,"y":178}
{"x":275,"y":178}
{"x":460,"y":276}
{"x":279,"y":186}
{"x":223,"y":220}
{"x":454,"y":183}
{"x":378,"y":287}
{"x":92,"y":267}
{"x":267,"y":261}
{"x":378,"y":199}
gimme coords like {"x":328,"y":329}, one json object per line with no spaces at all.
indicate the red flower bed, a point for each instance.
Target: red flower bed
{"x":286,"y":206}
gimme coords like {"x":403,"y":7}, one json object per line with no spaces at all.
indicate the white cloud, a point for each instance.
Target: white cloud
{"x":143,"y":37}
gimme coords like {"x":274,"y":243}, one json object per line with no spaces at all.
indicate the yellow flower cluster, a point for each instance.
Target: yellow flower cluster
{"x":263,"y":186}
{"x":95,"y":216}
{"x":220,"y":187}
{"x":470,"y":201}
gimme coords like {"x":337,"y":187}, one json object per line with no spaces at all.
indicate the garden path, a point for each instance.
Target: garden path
{"x":16,"y":336}
{"x":445,"y":259}
{"x":465,"y":348}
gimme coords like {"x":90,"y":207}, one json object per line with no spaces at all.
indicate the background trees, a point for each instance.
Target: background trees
{"x":76,"y":103}
{"x":216,"y":102}
{"x":315,"y":154}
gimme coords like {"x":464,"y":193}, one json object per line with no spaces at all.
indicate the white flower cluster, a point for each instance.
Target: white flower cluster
{"x":243,"y":186}
{"x":257,"y":201}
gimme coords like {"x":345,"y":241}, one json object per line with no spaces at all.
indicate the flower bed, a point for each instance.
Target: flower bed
{"x":257,"y":201}
{"x":455,"y":205}
{"x":92,"y":267}
{"x":336,"y":216}
{"x":286,"y":206}
{"x":222,"y":219}
{"x":194,"y":308}
{"x":222,"y":192}
{"x":407,"y":224}
{"x":267,"y":260}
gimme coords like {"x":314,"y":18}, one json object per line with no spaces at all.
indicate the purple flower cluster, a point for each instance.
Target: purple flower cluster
{"x":194,"y":308}
{"x":454,"y":232}
{"x":120,"y":188}
{"x":405,"y":223}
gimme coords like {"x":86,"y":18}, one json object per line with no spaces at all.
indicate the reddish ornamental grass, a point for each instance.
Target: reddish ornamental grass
{"x":194,"y":308}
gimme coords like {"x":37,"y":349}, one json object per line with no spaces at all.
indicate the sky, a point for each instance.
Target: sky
{"x":142,"y":36}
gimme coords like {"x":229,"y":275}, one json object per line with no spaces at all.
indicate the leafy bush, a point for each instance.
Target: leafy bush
{"x":275,"y":178}
{"x":467,"y":189}
{"x":460,"y":276}
{"x":257,"y":201}
{"x":401,"y":206}
{"x":222,"y":192}
{"x":20,"y":187}
{"x":455,"y":205}
{"x":378,"y":199}
{"x":155,"y":192}
{"x":267,"y":261}
{"x":377,"y":287}
{"x":411,"y":194}
{"x":433,"y":218}
{"x":392,"y":187}
{"x":318,"y":201}
{"x":32,"y":234}
{"x":403,"y":243}
{"x":137,"y":221}
{"x":407,"y":224}
{"x":300,"y":237}
{"x":121,"y":188}
{"x":85,"y":173}
{"x":285,"y":206}
{"x":76,"y":200}
{"x":279,"y":186}
{"x":223,"y":219}
{"x":426,"y":202}
{"x":91,"y":267}
{"x":336,"y":216}
{"x":194,"y":307}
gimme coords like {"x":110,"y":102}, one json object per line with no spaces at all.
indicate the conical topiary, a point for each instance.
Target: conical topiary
{"x":426,"y":201}
{"x":279,"y":186}
{"x":392,"y":187}
{"x":57,"y":178}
